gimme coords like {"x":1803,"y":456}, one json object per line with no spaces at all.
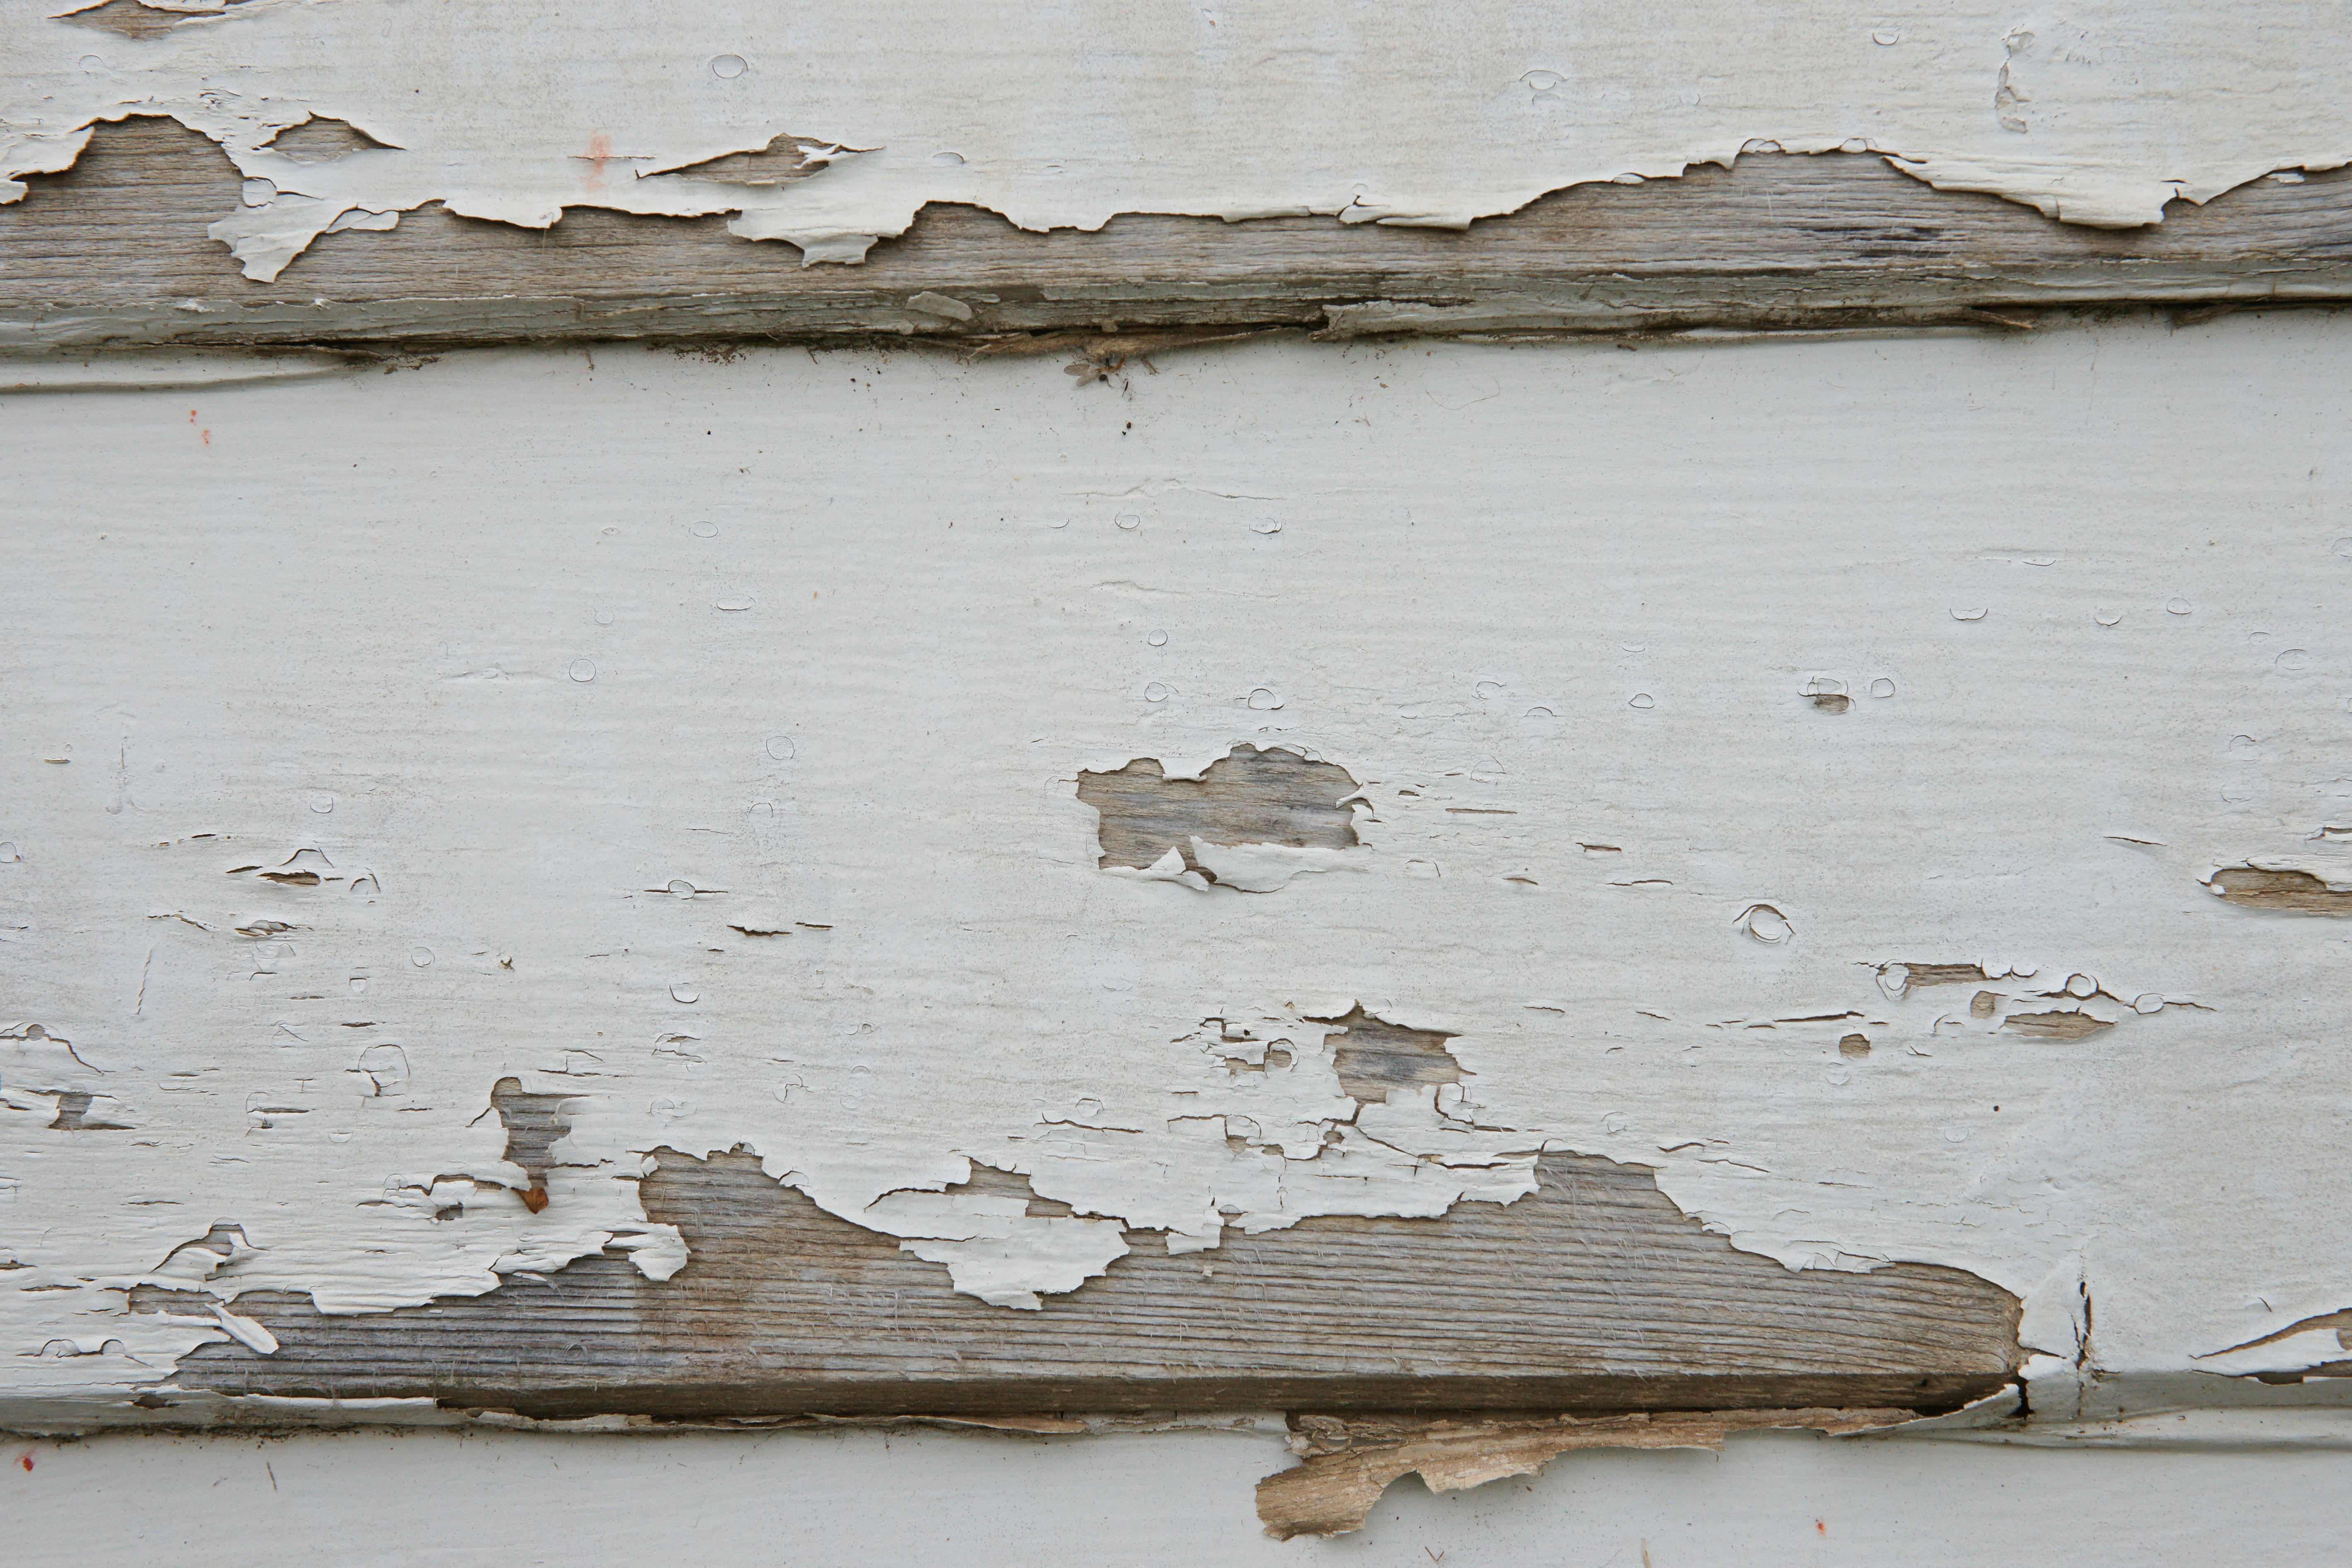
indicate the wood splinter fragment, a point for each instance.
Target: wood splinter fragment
{"x":1350,"y":1461}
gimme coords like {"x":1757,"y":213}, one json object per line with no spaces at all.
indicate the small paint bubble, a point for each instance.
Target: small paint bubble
{"x":1089,"y":1108}
{"x":1063,"y":524}
{"x":727,"y":68}
{"x":2294,"y":662}
{"x":1158,"y":639}
{"x":2179,"y":606}
{"x":948,"y":160}
{"x":421,"y":957}
{"x":1264,"y":700}
{"x":1634,"y":647}
{"x":1882,"y":687}
{"x":583,"y":670}
{"x":322,"y":804}
{"x":1130,"y":520}
{"x":681,"y":888}
{"x":1839,"y":1076}
{"x":1765,"y":923}
{"x":1155,"y":692}
{"x":2147,"y":1002}
{"x":1489,"y":690}
{"x":1265,"y":525}
{"x":2082,"y":987}
{"x":781,"y":748}
{"x":1642,"y":700}
{"x":705,"y":530}
{"x":2343,"y":547}
{"x":603,"y":618}
{"x":1422,"y":868}
{"x":1539,"y":713}
{"x":1955,"y":1135}
{"x":2041,"y":560}
{"x":1544,"y":82}
{"x":733,"y":602}
{"x":1885,"y":39}
{"x":7,"y":849}
{"x":1615,"y":1123}
{"x":1972,"y":614}
{"x":2107,"y":617}
{"x":358,"y":984}
{"x":763,"y":811}
{"x":365,"y":884}
{"x":682,"y":992}
{"x":338,"y":1137}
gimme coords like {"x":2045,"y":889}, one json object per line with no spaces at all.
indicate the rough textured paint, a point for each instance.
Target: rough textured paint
{"x":828,"y":129}
{"x":426,"y":790}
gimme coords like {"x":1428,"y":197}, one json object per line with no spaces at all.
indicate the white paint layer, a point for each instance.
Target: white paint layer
{"x":931,"y":1499}
{"x":699,"y":742}
{"x":1063,"y":115}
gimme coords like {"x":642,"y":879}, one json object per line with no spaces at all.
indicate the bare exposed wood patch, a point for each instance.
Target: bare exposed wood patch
{"x":1249,"y":797}
{"x":1906,"y":976}
{"x":2295,"y":892}
{"x":533,"y":1124}
{"x":1594,"y":1295}
{"x":1349,"y":1462}
{"x":322,"y":140}
{"x":1373,"y":1056}
{"x":113,"y":252}
{"x":2060,"y":1025}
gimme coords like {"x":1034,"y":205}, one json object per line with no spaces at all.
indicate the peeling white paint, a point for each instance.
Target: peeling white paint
{"x":2097,"y":114}
{"x":461,"y":644}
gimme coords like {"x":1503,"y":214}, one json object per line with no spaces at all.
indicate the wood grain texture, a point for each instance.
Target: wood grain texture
{"x":1593,"y":1295}
{"x":113,"y":253}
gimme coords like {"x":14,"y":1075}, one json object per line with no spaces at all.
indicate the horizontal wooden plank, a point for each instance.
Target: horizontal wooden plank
{"x":113,"y":253}
{"x":1593,"y":1295}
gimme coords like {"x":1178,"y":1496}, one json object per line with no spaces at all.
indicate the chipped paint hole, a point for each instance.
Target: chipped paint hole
{"x":319,"y":140}
{"x":1983,"y":1005}
{"x":2293,"y":892}
{"x":1250,"y":796}
{"x":1373,"y":1056}
{"x":1855,"y":1046}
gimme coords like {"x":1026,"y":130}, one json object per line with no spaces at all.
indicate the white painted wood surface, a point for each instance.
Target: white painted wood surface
{"x":566,"y":672}
{"x":939,"y":1501}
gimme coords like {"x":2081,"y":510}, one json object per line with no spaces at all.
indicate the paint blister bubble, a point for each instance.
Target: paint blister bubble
{"x":1615,"y":1123}
{"x":727,"y":68}
{"x":781,"y":748}
{"x":733,"y":603}
{"x":1155,"y":692}
{"x":681,"y":888}
{"x":358,"y":984}
{"x":2147,"y":1002}
{"x":682,"y":992}
{"x":583,"y":670}
{"x":2294,"y":662}
{"x":1974,"y":612}
{"x":2107,"y":617}
{"x":1129,"y":519}
{"x":421,"y":957}
{"x":7,"y":849}
{"x":1642,"y":700}
{"x":705,"y":530}
{"x":1265,"y":525}
{"x":2082,"y":987}
{"x":1885,"y":39}
{"x":1765,"y":925}
{"x":1544,"y":82}
{"x":1839,"y":1076}
{"x":1158,"y":639}
{"x":1955,"y":1135}
{"x":1261,"y":700}
{"x":1540,"y":712}
{"x":1882,"y":687}
{"x":2343,"y":547}
{"x":322,"y":804}
{"x":2179,"y":606}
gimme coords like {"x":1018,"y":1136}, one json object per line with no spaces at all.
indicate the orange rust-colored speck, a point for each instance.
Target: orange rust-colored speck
{"x":27,"y":1462}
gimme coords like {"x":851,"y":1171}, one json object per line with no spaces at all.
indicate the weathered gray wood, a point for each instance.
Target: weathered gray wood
{"x":113,"y":252}
{"x":1593,"y":1295}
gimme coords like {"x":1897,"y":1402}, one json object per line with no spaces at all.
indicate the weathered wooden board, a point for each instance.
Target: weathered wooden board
{"x":1594,"y":1294}
{"x":113,"y":253}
